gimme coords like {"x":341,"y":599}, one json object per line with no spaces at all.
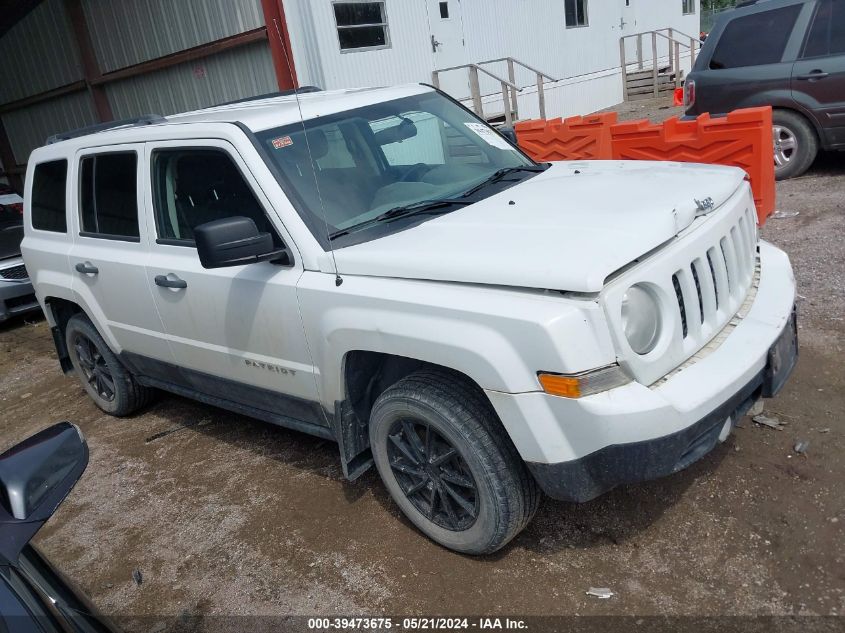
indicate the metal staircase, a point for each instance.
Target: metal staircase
{"x":509,"y":88}
{"x":656,"y":76}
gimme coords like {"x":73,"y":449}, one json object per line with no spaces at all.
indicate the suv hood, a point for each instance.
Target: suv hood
{"x":568,"y":228}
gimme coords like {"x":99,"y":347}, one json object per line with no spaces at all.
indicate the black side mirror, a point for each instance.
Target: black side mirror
{"x":35,"y":477}
{"x":234,"y":241}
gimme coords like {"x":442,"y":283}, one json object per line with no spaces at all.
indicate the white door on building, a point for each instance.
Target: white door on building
{"x":447,"y":44}
{"x":628,"y":23}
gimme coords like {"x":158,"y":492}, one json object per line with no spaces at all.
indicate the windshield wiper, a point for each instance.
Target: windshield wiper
{"x":499,"y":174}
{"x":398,"y":213}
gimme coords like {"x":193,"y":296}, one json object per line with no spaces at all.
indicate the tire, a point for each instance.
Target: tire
{"x":795,"y":144}
{"x":112,"y":388}
{"x":443,"y":410}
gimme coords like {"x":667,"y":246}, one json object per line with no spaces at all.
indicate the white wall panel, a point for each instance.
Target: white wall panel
{"x":314,"y":38}
{"x":533,"y":31}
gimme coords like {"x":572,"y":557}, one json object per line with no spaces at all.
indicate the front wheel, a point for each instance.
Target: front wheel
{"x":448,"y":463}
{"x":795,"y":144}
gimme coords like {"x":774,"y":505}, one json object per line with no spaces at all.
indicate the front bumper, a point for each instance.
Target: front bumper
{"x":16,"y":298}
{"x":578,"y":449}
{"x":586,"y":478}
{"x":16,"y":293}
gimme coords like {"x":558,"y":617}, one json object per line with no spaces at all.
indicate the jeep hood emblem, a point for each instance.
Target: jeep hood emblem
{"x":704,"y":206}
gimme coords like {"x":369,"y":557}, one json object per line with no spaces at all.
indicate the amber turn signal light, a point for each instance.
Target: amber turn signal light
{"x":583,"y":384}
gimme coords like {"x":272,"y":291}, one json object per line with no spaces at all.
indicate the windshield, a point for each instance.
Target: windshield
{"x":377,"y":163}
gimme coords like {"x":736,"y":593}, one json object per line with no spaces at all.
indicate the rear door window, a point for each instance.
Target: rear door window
{"x":108,"y":196}
{"x":827,"y":35}
{"x":49,"y":188}
{"x":756,"y":39}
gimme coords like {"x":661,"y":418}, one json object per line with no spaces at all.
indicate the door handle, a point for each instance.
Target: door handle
{"x":86,"y":268}
{"x":164,"y":282}
{"x":813,"y":76}
{"x":435,"y":44}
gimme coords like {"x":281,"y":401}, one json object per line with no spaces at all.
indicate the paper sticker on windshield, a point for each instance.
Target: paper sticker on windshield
{"x":282,"y":141}
{"x":490,"y":136}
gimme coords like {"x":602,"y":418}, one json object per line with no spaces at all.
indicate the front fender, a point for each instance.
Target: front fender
{"x":500,"y":338}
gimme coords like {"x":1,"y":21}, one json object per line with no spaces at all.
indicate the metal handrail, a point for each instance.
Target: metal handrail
{"x":484,"y":70}
{"x":674,"y":60}
{"x":523,"y":64}
{"x":509,"y":86}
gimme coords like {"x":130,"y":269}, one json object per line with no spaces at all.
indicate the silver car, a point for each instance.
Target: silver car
{"x":16,"y":293}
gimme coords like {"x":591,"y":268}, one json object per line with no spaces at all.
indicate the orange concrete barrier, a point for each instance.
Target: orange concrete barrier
{"x":743,"y":138}
{"x":575,"y":138}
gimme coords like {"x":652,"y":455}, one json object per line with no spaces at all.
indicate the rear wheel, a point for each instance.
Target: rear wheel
{"x":112,"y":388}
{"x":795,"y":144}
{"x":448,"y":463}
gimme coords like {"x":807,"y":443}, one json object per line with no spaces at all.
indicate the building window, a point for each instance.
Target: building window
{"x":688,"y":6}
{"x":361,"y":25}
{"x":108,"y":194}
{"x":444,"y":10}
{"x":49,"y":186}
{"x":576,"y":13}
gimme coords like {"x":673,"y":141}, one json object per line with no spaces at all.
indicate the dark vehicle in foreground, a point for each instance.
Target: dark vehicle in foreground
{"x":35,"y":477}
{"x":789,"y":54}
{"x":16,"y":293}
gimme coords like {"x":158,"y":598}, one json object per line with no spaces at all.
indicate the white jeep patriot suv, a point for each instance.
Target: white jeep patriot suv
{"x":382,"y":269}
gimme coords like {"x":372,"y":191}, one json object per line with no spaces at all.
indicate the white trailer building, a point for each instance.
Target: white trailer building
{"x":351,"y":43}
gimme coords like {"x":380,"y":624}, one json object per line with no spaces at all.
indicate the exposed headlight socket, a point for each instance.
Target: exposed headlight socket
{"x":642,"y":322}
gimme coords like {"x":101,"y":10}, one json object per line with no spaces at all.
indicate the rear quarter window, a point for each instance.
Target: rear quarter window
{"x":108,"y":202}
{"x":49,"y":189}
{"x":756,"y":39}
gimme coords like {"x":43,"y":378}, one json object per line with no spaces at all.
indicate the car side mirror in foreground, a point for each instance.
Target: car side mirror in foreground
{"x":35,"y":477}
{"x":234,"y":241}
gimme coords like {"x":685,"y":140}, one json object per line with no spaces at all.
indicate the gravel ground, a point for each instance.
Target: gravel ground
{"x":225,"y":515}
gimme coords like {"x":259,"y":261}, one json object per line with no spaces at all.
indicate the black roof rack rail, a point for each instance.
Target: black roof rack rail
{"x":284,"y":93}
{"x":145,"y":119}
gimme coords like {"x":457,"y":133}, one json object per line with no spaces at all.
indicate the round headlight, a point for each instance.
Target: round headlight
{"x":641,"y":319}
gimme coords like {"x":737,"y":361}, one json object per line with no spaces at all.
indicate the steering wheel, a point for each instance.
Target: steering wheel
{"x":416,"y":172}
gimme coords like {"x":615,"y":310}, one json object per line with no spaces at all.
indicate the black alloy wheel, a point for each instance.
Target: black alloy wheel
{"x":94,"y":368}
{"x":433,"y":475}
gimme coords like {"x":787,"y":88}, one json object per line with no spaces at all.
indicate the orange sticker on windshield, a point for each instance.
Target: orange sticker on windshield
{"x":283,"y":141}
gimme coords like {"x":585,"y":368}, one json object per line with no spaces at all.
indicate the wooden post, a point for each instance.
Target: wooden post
{"x":624,"y":68}
{"x":671,"y":60}
{"x":640,"y":51}
{"x":475,"y":91}
{"x":512,"y":79}
{"x":541,"y":95}
{"x":677,"y":64}
{"x":507,"y":104}
{"x":654,"y":70}
{"x":692,"y":52}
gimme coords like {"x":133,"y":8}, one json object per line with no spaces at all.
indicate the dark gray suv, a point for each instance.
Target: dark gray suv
{"x":789,"y":54}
